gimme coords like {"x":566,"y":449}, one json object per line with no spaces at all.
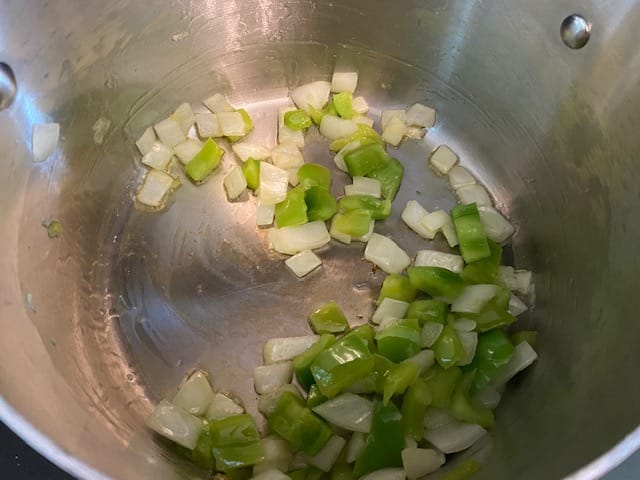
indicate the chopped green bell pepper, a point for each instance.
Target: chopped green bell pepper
{"x":494,"y":350}
{"x":436,"y":281}
{"x":300,"y":474}
{"x":462,"y":470}
{"x":293,"y":209}
{"x":366,"y":333}
{"x":374,"y":382}
{"x":378,"y":209}
{"x":343,"y":102}
{"x":398,"y":287}
{"x":400,"y":340}
{"x":465,"y":408}
{"x":384,"y":444}
{"x":414,"y":405}
{"x":235,"y":442}
{"x":314,"y":175}
{"x":448,"y":349}
{"x":329,"y":318}
{"x":320,"y":204}
{"x":314,"y":397}
{"x":297,"y":120}
{"x":205,"y":162}
{"x":302,"y":363}
{"x":201,"y":455}
{"x":390,"y":177}
{"x":365,"y":135}
{"x":470,"y":231}
{"x":485,"y":270}
{"x":354,"y":223}
{"x":297,"y":424}
{"x":337,"y":367}
{"x":529,"y":336}
{"x":495,"y":313}
{"x":399,"y":379}
{"x":428,"y":311}
{"x":441,"y":384}
{"x":365,"y":159}
{"x":251,"y":171}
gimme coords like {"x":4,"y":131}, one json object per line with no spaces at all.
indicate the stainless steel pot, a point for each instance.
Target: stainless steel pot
{"x":98,"y":324}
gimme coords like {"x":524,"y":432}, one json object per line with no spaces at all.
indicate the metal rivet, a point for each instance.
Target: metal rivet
{"x":575,"y":31}
{"x":8,"y":86}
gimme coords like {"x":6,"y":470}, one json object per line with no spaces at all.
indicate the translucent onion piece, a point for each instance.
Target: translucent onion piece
{"x":146,"y":141}
{"x":443,"y":159}
{"x":234,"y":183}
{"x":349,"y":411}
{"x":294,"y":239}
{"x":176,"y":424}
{"x":218,"y":103}
{"x":386,"y":254}
{"x":433,"y":258}
{"x":334,"y":127}
{"x":314,"y":94}
{"x":389,"y":308}
{"x":394,"y":132}
{"x":421,"y":116}
{"x":222,"y":407}
{"x":268,"y":378}
{"x":287,"y":348}
{"x":195,"y":394}
{"x":418,"y":462}
{"x":344,"y":82}
{"x":169,"y":132}
{"x":44,"y":140}
{"x":245,"y":151}
{"x":303,"y":263}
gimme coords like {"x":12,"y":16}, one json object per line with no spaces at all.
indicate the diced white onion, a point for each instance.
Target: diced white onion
{"x":436,"y":418}
{"x":412,"y":215}
{"x":386,"y":254}
{"x":146,"y":141}
{"x":195,"y":394}
{"x":294,"y":239}
{"x":222,"y":407}
{"x":176,"y":424}
{"x":169,"y":132}
{"x":388,"y":115}
{"x":464,"y":325}
{"x":449,"y":232}
{"x":488,"y":397}
{"x":523,"y":356}
{"x":389,"y":308}
{"x":270,"y":474}
{"x":245,"y":151}
{"x":354,"y":447}
{"x":474,"y":297}
{"x":360,"y":105}
{"x":364,"y":186}
{"x":418,"y":462}
{"x":334,"y":127}
{"x":303,"y":263}
{"x":44,"y":140}
{"x":315,"y":94}
{"x":218,"y":103}
{"x":158,"y":157}
{"x":415,"y":133}
{"x":424,"y":360}
{"x":469,"y":341}
{"x":421,"y":116}
{"x":367,"y":236}
{"x":362,"y":120}
{"x":267,"y":402}
{"x":285,"y":134}
{"x":277,"y":455}
{"x":274,"y":183}
{"x":435,"y":222}
{"x":443,"y":159}
{"x":287,"y":348}
{"x":386,"y":474}
{"x":394,"y":132}
{"x":460,"y":177}
{"x":188,"y":149}
{"x":208,"y":125}
{"x":433,"y":258}
{"x":339,"y":157}
{"x":155,"y":188}
{"x":474,"y":194}
{"x":430,"y":333}
{"x":287,"y":156}
{"x":326,"y":457}
{"x":293,"y":176}
{"x":508,"y":275}
{"x":234,"y":183}
{"x":231,"y":124}
{"x":264,"y":214}
{"x":347,"y":410}
{"x":338,"y":235}
{"x":185,"y":117}
{"x":267,"y":378}
{"x":455,"y":436}
{"x":409,"y":442}
{"x":496,"y":227}
{"x":516,"y":306}
{"x":344,"y":82}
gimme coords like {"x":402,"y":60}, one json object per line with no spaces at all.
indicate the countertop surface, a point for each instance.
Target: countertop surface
{"x":19,"y":462}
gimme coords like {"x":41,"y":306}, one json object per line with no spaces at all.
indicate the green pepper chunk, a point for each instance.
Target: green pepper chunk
{"x":399,"y":341}
{"x":300,"y":474}
{"x":293,"y":209}
{"x":390,"y":177}
{"x":464,"y":408}
{"x":314,"y":397}
{"x":355,"y":223}
{"x":529,"y":336}
{"x":377,"y":208}
{"x":436,"y":281}
{"x":205,"y":162}
{"x":366,"y":333}
{"x":414,"y":405}
{"x":297,"y":424}
{"x":314,"y":175}
{"x":428,"y":311}
{"x":463,"y":470}
{"x":485,"y":270}
{"x":248,"y":125}
{"x":235,"y":442}
{"x":365,"y":159}
{"x":441,"y":384}
{"x":448,"y":349}
{"x":374,"y":382}
{"x":470,"y":231}
{"x":251,"y":170}
{"x":343,"y":102}
{"x":337,"y":367}
{"x":399,"y":379}
{"x":494,"y":351}
{"x":329,"y":318}
{"x":384,"y":444}
{"x":495,"y":313}
{"x":302,"y":363}
{"x":398,"y":287}
{"x":297,"y":120}
{"x":201,"y":455}
{"x":365,"y":135}
{"x":314,"y":473}
{"x":320,"y":204}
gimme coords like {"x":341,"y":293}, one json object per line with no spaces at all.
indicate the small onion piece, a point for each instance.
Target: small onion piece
{"x":386,"y":474}
{"x":394,"y":132}
{"x":274,"y":183}
{"x":354,"y":447}
{"x":231,"y":124}
{"x":222,"y":407}
{"x":419,"y":462}
{"x":464,"y":325}
{"x":344,"y":82}
{"x":421,"y":116}
{"x":389,"y":308}
{"x":523,"y":356}
{"x":435,"y":221}
{"x":169,"y":132}
{"x":334,"y":127}
{"x":314,"y":94}
{"x":296,"y":238}
{"x":360,"y":105}
{"x":303,"y":263}
{"x":435,"y":418}
{"x":424,"y":360}
{"x":267,"y":402}
{"x":277,"y":455}
{"x":386,"y":254}
{"x":443,"y":159}
{"x":516,"y":306}
{"x":349,"y":411}
{"x":44,"y":140}
{"x":415,"y":133}
{"x":362,"y":120}
{"x":268,"y":378}
{"x":388,"y":115}
{"x":195,"y":394}
{"x":188,"y":149}
{"x":146,"y":141}
{"x":430,"y":333}
{"x":234,"y":183}
{"x":488,"y":397}
{"x":412,"y":215}
{"x":474,"y":297}
{"x":176,"y":424}
{"x":155,"y":188}
{"x":433,"y":258}
{"x":469,"y":341}
{"x":285,"y":134}
{"x":208,"y":125}
{"x":269,"y":474}
{"x":450,"y":235}
{"x":245,"y":151}
{"x":158,"y":157}
{"x":496,"y":227}
{"x":184,"y":116}
{"x":218,"y":103}
{"x":287,"y":156}
{"x":281,"y":349}
{"x":460,"y":177}
{"x":327,"y":457}
{"x":364,"y":186}
{"x":455,"y":436}
{"x":474,"y":194}
{"x":264,"y":214}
